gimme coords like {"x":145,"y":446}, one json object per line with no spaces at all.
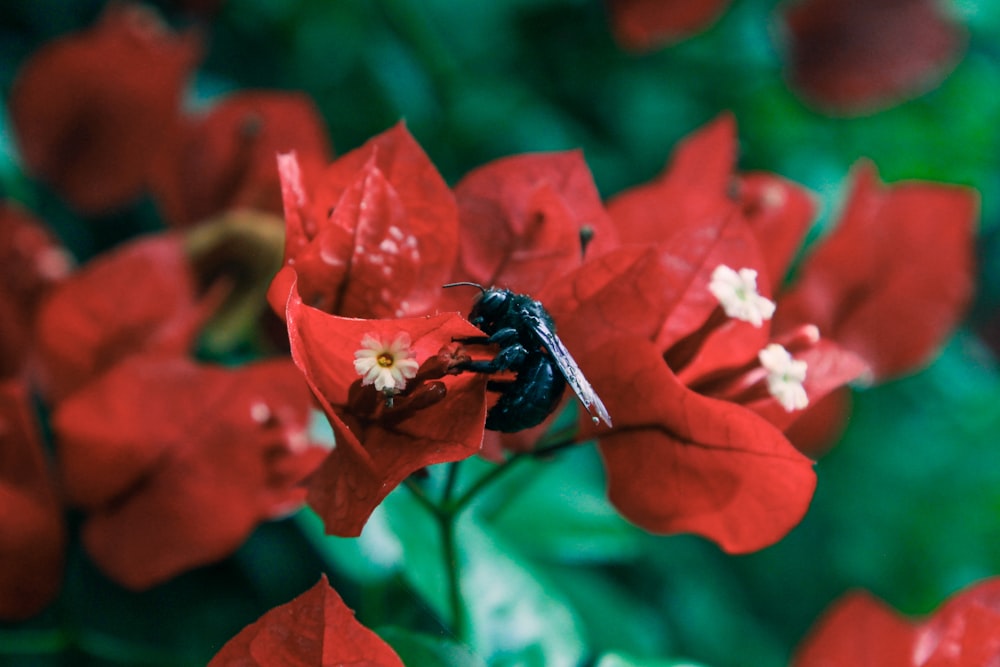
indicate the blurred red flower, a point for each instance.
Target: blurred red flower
{"x":175,"y":463}
{"x":436,"y":418}
{"x":224,"y":159}
{"x":139,"y":297}
{"x":860,"y":630}
{"x":32,"y":529}
{"x":376,"y":236}
{"x":316,"y":628}
{"x":90,"y":109}
{"x":32,"y":262}
{"x":642,"y":25}
{"x":857,"y":56}
{"x":893,"y":279}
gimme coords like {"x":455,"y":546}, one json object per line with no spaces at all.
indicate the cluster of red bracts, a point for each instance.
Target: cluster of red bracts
{"x":845,"y":57}
{"x":174,"y":461}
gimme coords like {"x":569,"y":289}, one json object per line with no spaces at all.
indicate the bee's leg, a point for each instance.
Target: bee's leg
{"x":503,"y":337}
{"x":509,"y":358}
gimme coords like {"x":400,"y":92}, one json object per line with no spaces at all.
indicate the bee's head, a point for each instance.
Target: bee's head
{"x":489,"y":307}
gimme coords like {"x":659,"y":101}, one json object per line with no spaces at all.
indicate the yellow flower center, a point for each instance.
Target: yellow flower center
{"x":385,"y":360}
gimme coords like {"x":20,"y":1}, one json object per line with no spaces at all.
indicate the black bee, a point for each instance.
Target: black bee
{"x":531,"y":349}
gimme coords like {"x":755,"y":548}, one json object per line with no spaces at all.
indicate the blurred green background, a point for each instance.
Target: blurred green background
{"x":908,"y":504}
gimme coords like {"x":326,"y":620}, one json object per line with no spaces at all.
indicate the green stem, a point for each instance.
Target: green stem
{"x":463,"y":501}
{"x":449,"y":550}
{"x":422,"y":497}
{"x":447,"y":510}
{"x":449,"y":483}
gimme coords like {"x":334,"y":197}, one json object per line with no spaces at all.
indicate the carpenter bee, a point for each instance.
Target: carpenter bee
{"x":530,"y":348}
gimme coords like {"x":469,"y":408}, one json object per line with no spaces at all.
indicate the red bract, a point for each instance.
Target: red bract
{"x":90,"y":109}
{"x":376,"y":237}
{"x":856,"y":56}
{"x":780,"y":213}
{"x":522,"y":217}
{"x":860,"y":630}
{"x":642,"y":25}
{"x":316,"y":628}
{"x":893,"y":279}
{"x":694,"y":187}
{"x":678,"y":461}
{"x":175,"y":463}
{"x":31,"y":263}
{"x":139,"y":297}
{"x":32,"y":532}
{"x":224,"y":159}
{"x":435,"y":420}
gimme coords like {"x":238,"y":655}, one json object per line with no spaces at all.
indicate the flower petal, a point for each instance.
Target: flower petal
{"x":854,"y":56}
{"x":138,"y":297}
{"x":184,"y":461}
{"x":372,"y":459}
{"x":681,"y":462}
{"x":33,"y":542}
{"x":224,"y":159}
{"x":642,"y":25}
{"x":316,"y":628}
{"x":91,"y":109}
{"x":860,"y":631}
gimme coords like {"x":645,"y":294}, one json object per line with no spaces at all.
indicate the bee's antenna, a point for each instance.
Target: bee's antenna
{"x":467,"y":284}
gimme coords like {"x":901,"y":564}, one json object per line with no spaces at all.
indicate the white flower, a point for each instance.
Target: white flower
{"x":387,"y":365}
{"x":737,"y":292}
{"x":785,"y":376}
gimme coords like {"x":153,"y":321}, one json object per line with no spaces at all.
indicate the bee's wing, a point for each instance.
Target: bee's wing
{"x":572,"y":373}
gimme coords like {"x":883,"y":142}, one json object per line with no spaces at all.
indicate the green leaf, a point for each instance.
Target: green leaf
{"x":614,"y":616}
{"x":622,"y":660}
{"x":516,"y":616}
{"x":420,"y":649}
{"x":372,"y":558}
{"x":558,"y":511}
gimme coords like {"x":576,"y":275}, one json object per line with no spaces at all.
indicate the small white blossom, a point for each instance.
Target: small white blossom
{"x":386,"y":364}
{"x":785,"y":376}
{"x":737,"y":292}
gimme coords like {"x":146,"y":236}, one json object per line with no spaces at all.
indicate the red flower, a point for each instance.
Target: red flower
{"x":679,"y":459}
{"x":32,"y":531}
{"x":642,"y":25}
{"x":675,"y":317}
{"x":316,"y":628}
{"x":434,"y":418}
{"x":90,"y":109}
{"x":140,"y":297}
{"x":224,"y":158}
{"x":376,"y":237}
{"x":860,"y":630}
{"x":175,"y":463}
{"x":31,"y":263}
{"x":893,"y":279}
{"x":856,"y":56}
